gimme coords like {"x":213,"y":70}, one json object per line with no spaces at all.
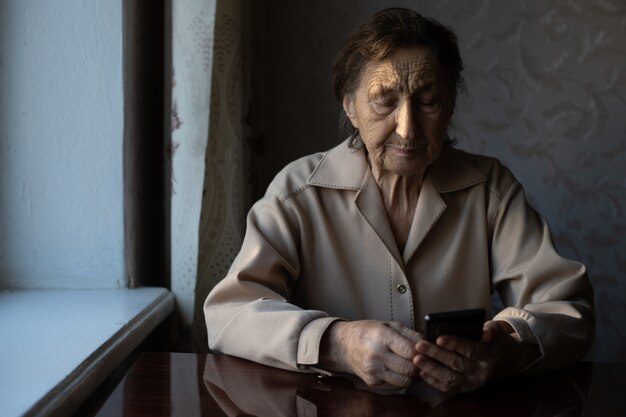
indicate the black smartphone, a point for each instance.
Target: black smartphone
{"x":465,"y":323}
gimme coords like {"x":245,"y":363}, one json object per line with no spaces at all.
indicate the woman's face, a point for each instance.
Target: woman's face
{"x":402,"y":108}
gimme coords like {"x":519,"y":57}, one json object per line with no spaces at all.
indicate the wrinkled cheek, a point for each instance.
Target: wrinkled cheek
{"x":377,"y":158}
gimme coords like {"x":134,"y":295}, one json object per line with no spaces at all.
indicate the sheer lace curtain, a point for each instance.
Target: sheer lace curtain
{"x":207,"y":162}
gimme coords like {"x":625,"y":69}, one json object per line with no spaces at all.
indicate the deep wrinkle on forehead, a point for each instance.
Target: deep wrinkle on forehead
{"x":406,"y":76}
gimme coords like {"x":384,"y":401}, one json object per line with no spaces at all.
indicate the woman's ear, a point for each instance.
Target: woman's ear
{"x":348,"y":107}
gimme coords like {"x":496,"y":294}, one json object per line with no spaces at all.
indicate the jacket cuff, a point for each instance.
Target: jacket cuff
{"x":310,"y":339}
{"x":518,"y":319}
{"x":521,"y":328}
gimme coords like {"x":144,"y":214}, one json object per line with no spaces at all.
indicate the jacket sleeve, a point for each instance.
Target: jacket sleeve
{"x":548,"y":299}
{"x":248,"y":314}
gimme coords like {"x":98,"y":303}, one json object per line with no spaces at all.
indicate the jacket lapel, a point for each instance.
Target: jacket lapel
{"x":429,"y":208}
{"x":370,"y":205}
{"x":450,"y":172}
{"x":347,"y":169}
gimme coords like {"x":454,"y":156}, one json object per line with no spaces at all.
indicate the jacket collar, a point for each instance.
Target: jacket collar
{"x":454,"y":171}
{"x":345,"y":168}
{"x":341,"y":167}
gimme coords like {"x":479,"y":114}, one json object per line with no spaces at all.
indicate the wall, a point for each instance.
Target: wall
{"x":61,"y":131}
{"x":546,"y":94}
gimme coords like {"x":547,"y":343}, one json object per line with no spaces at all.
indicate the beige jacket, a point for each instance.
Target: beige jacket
{"x":319,"y":247}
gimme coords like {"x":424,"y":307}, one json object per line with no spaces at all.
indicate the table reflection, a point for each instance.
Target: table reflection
{"x":242,"y":388}
{"x":190,"y":385}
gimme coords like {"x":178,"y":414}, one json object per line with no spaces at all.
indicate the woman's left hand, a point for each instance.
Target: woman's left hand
{"x":457,"y":364}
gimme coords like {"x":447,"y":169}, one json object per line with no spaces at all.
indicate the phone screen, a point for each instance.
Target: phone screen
{"x":464,"y":323}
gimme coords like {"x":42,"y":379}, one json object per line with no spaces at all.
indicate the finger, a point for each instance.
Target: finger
{"x":397,"y":380}
{"x":430,"y":380}
{"x":409,"y":333}
{"x":467,"y":348}
{"x":399,"y":365}
{"x":400,"y":345}
{"x":438,"y":375}
{"x":449,"y":358}
{"x":493,"y":331}
{"x":382,"y":377}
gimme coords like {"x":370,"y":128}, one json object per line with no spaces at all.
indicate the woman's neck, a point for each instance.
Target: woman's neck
{"x":400,"y":195}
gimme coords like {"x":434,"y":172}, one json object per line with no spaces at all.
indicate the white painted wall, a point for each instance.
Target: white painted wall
{"x":61,"y":133}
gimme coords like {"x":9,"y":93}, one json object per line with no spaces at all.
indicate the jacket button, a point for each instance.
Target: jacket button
{"x":401,"y":288}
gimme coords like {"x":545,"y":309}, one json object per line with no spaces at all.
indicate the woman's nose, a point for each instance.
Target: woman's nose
{"x":405,"y":121}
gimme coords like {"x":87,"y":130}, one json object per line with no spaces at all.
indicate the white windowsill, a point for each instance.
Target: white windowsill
{"x":58,"y":346}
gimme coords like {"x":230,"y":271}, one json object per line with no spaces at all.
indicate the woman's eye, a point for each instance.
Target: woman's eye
{"x":430,"y":105}
{"x":384,"y":106}
{"x":386,"y":103}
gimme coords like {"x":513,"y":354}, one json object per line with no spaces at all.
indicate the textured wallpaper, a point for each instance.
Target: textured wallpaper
{"x":546,"y":93}
{"x":546,"y":85}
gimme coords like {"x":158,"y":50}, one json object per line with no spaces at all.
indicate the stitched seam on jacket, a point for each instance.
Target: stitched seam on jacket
{"x":286,"y":197}
{"x":321,"y":184}
{"x":293,"y":237}
{"x":319,"y":164}
{"x":461,"y":187}
{"x":334,"y":186}
{"x":467,"y":185}
{"x":411,"y":306}
{"x":500,"y":199}
{"x":390,"y":287}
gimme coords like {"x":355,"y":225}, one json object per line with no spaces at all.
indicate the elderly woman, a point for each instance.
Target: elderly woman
{"x":349,"y":249}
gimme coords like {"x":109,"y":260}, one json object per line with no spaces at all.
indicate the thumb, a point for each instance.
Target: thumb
{"x":492,"y":332}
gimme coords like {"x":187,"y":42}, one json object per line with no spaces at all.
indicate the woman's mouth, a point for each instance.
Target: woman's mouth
{"x":407,"y":152}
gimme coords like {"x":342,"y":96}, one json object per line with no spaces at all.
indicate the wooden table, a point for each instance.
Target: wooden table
{"x":184,"y":384}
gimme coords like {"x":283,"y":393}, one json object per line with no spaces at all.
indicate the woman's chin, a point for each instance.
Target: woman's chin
{"x":406,"y":163}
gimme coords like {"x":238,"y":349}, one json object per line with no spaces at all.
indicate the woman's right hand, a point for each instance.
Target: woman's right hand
{"x":379,"y":352}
